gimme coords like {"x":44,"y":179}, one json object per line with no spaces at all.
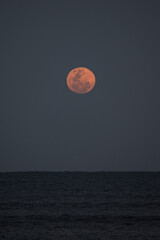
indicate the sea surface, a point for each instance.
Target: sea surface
{"x":80,"y":205}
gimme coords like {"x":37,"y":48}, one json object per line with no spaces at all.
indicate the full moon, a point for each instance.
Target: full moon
{"x":81,"y":80}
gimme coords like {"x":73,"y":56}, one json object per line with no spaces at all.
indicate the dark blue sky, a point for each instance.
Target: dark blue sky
{"x":45,"y":126}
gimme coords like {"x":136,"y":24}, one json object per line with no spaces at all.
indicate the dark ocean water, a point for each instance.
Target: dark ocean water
{"x":70,"y":205}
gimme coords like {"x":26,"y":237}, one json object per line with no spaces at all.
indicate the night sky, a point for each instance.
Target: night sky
{"x":46,"y":127}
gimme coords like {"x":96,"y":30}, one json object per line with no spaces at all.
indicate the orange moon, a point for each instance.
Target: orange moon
{"x":81,"y":80}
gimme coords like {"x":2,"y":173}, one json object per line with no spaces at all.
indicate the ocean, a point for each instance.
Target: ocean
{"x":80,"y":205}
